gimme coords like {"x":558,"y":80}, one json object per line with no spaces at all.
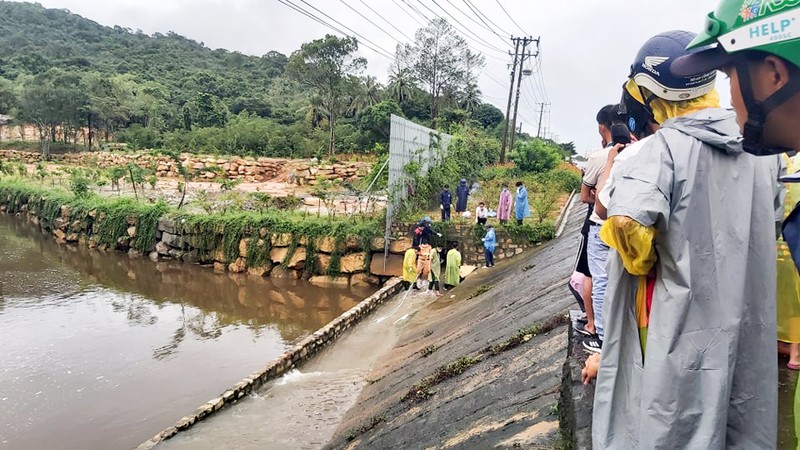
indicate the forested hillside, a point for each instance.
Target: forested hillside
{"x":61,"y":71}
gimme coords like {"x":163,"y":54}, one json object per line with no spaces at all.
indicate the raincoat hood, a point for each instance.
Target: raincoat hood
{"x":711,"y":126}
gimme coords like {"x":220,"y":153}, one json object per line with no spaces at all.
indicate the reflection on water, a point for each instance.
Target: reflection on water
{"x":103,"y":351}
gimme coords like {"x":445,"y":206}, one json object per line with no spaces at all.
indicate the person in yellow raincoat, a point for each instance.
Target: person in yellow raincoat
{"x":410,"y":268}
{"x":452,"y":274}
{"x":788,"y":278}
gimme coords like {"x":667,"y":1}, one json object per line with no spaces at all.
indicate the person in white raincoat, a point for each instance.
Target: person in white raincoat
{"x":689,"y":354}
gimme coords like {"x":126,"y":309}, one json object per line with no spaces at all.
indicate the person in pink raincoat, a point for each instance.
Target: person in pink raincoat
{"x":504,"y":207}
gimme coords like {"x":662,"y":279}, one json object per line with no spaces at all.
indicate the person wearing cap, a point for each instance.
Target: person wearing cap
{"x":689,"y":311}
{"x":462,"y":192}
{"x":757,"y":44}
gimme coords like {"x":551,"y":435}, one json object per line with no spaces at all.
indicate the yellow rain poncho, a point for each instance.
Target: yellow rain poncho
{"x":452,"y":275}
{"x":410,"y":266}
{"x":788,"y":278}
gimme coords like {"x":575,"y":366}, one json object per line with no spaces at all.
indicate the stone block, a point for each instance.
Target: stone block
{"x":219,"y":267}
{"x":377,"y":244}
{"x":326,"y":244}
{"x":260,"y":271}
{"x":323,"y":262}
{"x":162,"y":248}
{"x":277,"y":255}
{"x":60,"y":234}
{"x":173,"y":240}
{"x":400,"y":245}
{"x":298,"y":259}
{"x":364,"y":280}
{"x":238,"y":266}
{"x":168,"y":226}
{"x":72,"y":237}
{"x":326,"y":281}
{"x":131,"y":231}
{"x":281,"y":240}
{"x":354,"y":242}
{"x":352,"y":263}
{"x":393,"y":266}
{"x":243,"y":248}
{"x":284,"y":273}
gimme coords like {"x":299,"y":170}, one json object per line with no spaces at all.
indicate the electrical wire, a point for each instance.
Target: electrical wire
{"x":382,"y":51}
{"x":408,"y":13}
{"x":487,"y":18}
{"x":370,"y":21}
{"x":481,"y":24}
{"x":477,"y":38}
{"x":384,"y":19}
{"x":512,"y":19}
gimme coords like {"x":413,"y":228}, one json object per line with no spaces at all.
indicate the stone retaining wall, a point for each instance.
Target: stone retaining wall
{"x":289,"y":360}
{"x":250,"y":170}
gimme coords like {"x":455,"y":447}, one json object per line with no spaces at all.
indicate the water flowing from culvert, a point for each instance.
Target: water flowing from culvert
{"x":103,"y":351}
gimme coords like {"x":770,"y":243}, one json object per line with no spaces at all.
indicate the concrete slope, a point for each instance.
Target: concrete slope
{"x":479,"y":369}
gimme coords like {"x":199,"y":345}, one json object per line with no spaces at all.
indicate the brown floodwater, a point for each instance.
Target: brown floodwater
{"x":102,"y":351}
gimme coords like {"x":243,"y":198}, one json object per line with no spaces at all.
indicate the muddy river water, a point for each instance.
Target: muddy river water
{"x":103,"y":351}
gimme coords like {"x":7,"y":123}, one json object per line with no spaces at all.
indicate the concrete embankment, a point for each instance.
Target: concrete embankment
{"x":482,"y":367}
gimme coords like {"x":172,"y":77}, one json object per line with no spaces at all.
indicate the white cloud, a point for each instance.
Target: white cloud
{"x":587,"y":45}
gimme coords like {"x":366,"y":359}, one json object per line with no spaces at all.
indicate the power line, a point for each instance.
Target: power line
{"x":384,"y":51}
{"x":368,"y":20}
{"x":483,"y":25}
{"x":384,"y":19}
{"x":479,"y":39}
{"x":487,"y":18}
{"x":509,"y":16}
{"x":408,"y":13}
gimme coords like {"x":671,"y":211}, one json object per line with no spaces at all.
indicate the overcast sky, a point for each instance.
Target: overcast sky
{"x":587,"y":46}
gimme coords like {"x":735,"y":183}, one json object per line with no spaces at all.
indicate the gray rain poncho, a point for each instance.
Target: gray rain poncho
{"x":708,"y":379}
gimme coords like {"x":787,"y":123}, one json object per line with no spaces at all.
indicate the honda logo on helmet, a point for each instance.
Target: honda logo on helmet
{"x":650,"y":63}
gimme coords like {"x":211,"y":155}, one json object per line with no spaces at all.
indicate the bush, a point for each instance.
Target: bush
{"x":139,"y":137}
{"x":563,"y":179}
{"x":536,"y":156}
{"x":79,"y":185}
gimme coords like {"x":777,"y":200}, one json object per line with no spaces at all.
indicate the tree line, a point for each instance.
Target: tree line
{"x":63,"y":72}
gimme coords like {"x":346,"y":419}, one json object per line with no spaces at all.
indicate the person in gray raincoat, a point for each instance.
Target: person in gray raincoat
{"x":689,"y":354}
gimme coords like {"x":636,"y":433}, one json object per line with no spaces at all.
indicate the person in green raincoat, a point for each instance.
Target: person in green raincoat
{"x":452,"y":275}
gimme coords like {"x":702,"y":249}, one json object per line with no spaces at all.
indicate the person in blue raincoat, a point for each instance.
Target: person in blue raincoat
{"x":445,"y":202}
{"x":462,"y":192}
{"x":521,"y":208}
{"x":489,"y":244}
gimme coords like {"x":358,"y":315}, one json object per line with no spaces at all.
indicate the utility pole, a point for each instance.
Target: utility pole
{"x":510,"y":92}
{"x":523,"y":56}
{"x":541,"y":114}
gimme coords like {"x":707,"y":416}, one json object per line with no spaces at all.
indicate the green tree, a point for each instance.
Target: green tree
{"x":374,"y":121}
{"x":488,"y":115}
{"x":441,"y":60}
{"x":368,"y":93}
{"x":8,"y":98}
{"x":324,"y":66}
{"x":536,"y":156}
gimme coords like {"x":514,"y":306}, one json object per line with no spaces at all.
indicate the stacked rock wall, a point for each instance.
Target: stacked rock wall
{"x":250,"y":170}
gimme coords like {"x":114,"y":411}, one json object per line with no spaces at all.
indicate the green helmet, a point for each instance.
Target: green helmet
{"x":770,"y":26}
{"x":739,"y":27}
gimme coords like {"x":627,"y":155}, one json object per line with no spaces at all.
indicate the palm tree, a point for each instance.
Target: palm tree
{"x":470,"y":98}
{"x":368,"y":93}
{"x":401,"y":81}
